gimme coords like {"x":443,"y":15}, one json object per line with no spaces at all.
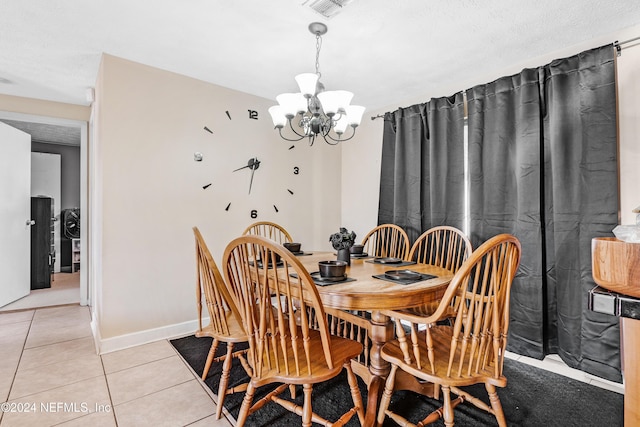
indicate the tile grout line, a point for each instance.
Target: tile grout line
{"x":54,"y":388}
{"x":207,"y":390}
{"x":113,"y":407}
{"x":18,"y":364}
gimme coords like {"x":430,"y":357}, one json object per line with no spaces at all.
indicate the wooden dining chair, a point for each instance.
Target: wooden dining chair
{"x":270,"y":230}
{"x":282,"y":348}
{"x":387,"y":240}
{"x":443,"y":246}
{"x":471,"y":350}
{"x":225,"y":323}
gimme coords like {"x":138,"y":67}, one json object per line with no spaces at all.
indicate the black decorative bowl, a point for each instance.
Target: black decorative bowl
{"x":356,"y":249}
{"x":332,"y":268}
{"x":292,"y":247}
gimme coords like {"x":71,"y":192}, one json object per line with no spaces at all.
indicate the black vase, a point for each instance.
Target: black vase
{"x":344,"y":255}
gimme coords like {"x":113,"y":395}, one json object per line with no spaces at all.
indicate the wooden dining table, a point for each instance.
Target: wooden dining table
{"x":373,"y":295}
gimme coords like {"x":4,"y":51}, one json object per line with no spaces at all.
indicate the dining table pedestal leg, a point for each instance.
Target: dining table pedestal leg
{"x":381,"y":332}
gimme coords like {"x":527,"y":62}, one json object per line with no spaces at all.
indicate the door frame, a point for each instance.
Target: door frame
{"x":85,"y":297}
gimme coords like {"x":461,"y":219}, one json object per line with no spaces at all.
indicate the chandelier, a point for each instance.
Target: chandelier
{"x":313,"y":111}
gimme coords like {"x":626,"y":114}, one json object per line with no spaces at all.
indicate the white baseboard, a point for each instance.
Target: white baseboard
{"x":95,"y":331}
{"x":122,"y":342}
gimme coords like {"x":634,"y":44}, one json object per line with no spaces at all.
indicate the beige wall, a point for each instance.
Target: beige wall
{"x":628,"y":67}
{"x":148,"y":124}
{"x":361,"y":160}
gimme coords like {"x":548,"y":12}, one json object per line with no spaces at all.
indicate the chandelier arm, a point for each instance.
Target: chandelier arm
{"x":331,"y":141}
{"x":288,"y":139}
{"x":301,"y":135}
{"x":327,"y":135}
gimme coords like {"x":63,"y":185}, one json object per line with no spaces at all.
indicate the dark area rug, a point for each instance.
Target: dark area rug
{"x":533,"y":397}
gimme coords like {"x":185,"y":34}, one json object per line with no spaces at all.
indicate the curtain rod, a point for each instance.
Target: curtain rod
{"x":618,"y":45}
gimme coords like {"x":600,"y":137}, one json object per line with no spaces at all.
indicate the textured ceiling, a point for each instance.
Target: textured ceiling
{"x":48,"y":133}
{"x":383,"y":51}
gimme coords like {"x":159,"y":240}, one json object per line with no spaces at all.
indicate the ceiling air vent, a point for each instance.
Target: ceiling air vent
{"x":327,"y":8}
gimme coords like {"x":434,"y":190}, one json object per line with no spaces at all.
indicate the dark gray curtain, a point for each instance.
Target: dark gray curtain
{"x":505,"y":185}
{"x":543,"y":166}
{"x":422,"y":174}
{"x":581,"y":202}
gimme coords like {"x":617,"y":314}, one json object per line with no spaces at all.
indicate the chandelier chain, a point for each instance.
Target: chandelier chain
{"x":318,"y":46}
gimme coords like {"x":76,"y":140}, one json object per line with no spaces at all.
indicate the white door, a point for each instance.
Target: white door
{"x":15,"y":213}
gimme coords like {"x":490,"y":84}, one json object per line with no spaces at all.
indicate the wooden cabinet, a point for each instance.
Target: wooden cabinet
{"x":616,"y":268}
{"x":42,"y":245}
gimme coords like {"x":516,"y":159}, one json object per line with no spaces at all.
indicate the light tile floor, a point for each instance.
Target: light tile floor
{"x":50,"y":375}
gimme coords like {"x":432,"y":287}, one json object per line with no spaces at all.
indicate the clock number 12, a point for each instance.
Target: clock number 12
{"x":253,"y":114}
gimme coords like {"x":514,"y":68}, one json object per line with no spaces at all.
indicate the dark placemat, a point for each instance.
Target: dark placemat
{"x":320,"y":282}
{"x":405,"y":281}
{"x":302,"y":253}
{"x":361,"y":256}
{"x":260,"y":264}
{"x":397,"y":264}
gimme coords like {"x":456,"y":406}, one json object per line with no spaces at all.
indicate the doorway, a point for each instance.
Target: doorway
{"x":53,"y":135}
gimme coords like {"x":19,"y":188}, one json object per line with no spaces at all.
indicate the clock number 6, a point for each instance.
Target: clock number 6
{"x":254,"y":214}
{"x":296,"y":170}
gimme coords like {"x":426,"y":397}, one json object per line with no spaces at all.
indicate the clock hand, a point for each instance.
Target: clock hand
{"x":251,"y":181}
{"x":244,"y":167}
{"x":253,"y":163}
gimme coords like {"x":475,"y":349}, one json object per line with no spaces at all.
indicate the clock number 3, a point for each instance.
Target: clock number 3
{"x":296,"y":170}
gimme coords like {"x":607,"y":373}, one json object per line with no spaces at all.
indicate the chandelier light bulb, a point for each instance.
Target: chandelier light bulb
{"x":292,"y":104}
{"x":354,"y":115}
{"x":340,"y":124}
{"x":277,"y":116}
{"x":307,"y":82}
{"x":334,"y":101}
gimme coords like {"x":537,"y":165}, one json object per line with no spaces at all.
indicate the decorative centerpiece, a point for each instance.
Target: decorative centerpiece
{"x":342,"y":241}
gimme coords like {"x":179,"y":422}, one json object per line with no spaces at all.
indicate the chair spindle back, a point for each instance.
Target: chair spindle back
{"x":444,"y":246}
{"x":387,"y":240}
{"x":270,"y":230}
{"x":267,"y":298}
